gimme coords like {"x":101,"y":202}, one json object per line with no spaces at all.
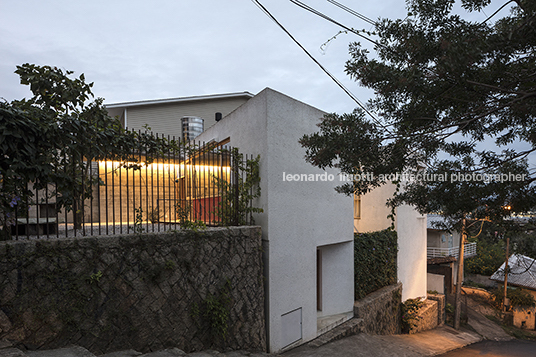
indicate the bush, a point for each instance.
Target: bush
{"x":410,"y":314}
{"x":375,"y":256}
{"x":489,"y":258}
{"x":518,"y":297}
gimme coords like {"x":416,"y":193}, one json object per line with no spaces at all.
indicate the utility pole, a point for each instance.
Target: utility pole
{"x":459,"y":279}
{"x":505,"y":297}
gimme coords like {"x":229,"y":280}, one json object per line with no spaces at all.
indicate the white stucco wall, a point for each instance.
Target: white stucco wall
{"x":374,"y":210}
{"x":436,"y":282}
{"x":412,"y":237}
{"x":299,"y":216}
{"x":411,"y":229}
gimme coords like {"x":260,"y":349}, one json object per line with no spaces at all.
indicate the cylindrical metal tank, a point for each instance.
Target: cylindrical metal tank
{"x":191,"y":127}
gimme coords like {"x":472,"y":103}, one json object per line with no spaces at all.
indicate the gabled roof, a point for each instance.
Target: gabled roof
{"x":522,"y":272}
{"x":180,"y":99}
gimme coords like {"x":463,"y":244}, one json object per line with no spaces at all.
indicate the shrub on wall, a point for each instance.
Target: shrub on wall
{"x":518,"y":297}
{"x":375,"y":256}
{"x":489,"y":257}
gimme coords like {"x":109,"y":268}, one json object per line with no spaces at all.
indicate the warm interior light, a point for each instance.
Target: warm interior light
{"x":114,"y":165}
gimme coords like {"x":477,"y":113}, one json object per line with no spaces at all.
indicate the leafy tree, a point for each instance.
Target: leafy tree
{"x":451,"y":94}
{"x":488,"y":259}
{"x":53,"y":136}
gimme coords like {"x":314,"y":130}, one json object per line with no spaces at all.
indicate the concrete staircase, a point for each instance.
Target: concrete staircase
{"x":351,"y":327}
{"x":7,"y":350}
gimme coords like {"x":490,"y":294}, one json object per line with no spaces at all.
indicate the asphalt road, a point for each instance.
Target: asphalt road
{"x":514,"y":348}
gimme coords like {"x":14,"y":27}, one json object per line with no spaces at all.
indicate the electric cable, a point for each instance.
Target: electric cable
{"x":353,"y":12}
{"x":325,"y":17}
{"x":339,"y":83}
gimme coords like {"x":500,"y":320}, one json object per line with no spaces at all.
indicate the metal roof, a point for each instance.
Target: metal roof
{"x":179,"y":99}
{"x":437,"y":222}
{"x":522,"y":272}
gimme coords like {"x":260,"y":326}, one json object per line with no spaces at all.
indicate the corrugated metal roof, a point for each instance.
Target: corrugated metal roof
{"x":522,"y":271}
{"x":436,"y":221}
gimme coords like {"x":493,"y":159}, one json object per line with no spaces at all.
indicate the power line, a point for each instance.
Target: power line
{"x":326,"y":17}
{"x":346,"y":90}
{"x":353,"y":12}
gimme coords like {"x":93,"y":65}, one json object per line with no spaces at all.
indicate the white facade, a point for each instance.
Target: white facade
{"x":411,"y":230}
{"x":307,"y":226}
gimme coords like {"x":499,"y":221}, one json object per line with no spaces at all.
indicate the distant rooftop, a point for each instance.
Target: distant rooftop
{"x":180,"y":99}
{"x":522,"y":272}
{"x":436,"y":221}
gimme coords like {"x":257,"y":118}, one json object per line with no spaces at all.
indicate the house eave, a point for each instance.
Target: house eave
{"x":247,"y":95}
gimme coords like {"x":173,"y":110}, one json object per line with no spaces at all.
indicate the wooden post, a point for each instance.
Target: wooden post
{"x":459,"y":279}
{"x":506,"y":275}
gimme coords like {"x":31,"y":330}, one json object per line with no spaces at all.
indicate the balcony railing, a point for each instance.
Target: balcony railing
{"x":469,"y":251}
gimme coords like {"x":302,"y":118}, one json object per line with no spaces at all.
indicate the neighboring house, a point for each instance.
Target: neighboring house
{"x":443,"y":247}
{"x":164,"y":115}
{"x":306,"y":225}
{"x":521,"y":274}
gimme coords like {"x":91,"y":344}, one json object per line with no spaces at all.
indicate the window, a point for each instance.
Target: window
{"x":357,"y":206}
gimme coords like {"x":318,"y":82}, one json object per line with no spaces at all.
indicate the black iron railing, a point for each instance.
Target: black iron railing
{"x":190,"y":184}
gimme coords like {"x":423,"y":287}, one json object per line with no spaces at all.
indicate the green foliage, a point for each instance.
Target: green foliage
{"x":518,"y":297}
{"x":214,"y":311}
{"x":410,"y":313}
{"x":54,"y":135}
{"x":183,"y":215}
{"x":138,"y":223}
{"x":524,"y":242}
{"x":235,"y":207}
{"x":154,"y":215}
{"x":375,"y":256}
{"x":489,"y":257}
{"x":170,"y":265}
{"x":444,"y":86}
{"x":95,"y":277}
{"x":194,"y":225}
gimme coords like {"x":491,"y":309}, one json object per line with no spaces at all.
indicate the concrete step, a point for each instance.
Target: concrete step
{"x":351,"y":327}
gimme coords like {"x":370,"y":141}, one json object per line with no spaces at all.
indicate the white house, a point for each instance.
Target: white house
{"x":307,"y":226}
{"x":443,"y":247}
{"x":370,"y":214}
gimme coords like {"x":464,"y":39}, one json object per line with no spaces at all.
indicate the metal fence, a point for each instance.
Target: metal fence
{"x":194,"y":183}
{"x":469,"y":251}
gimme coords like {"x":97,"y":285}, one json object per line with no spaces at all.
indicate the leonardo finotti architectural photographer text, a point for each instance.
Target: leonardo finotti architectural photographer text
{"x":409,"y":177}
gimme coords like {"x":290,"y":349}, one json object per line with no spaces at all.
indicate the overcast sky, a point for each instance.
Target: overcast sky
{"x":139,"y":50}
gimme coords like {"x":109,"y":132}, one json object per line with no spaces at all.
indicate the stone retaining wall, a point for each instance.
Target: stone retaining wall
{"x":380,"y":310}
{"x":191,"y":290}
{"x":441,"y":305}
{"x":428,"y":317}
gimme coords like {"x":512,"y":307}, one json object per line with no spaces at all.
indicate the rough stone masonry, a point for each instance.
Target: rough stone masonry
{"x":194,"y":290}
